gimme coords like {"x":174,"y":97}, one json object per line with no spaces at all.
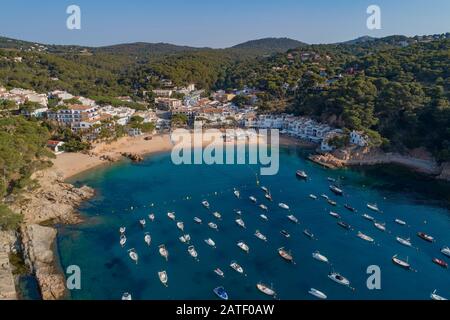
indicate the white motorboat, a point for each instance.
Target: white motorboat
{"x":293,"y":219}
{"x":260,"y":236}
{"x":325,"y":196}
{"x":286,"y":255}
{"x":163,"y":278}
{"x":365,"y":237}
{"x":263,"y":207}
{"x":163,"y":252}
{"x":123,"y":240}
{"x":318,"y":294}
{"x":237,"y":194}
{"x":446,"y":251}
{"x":122,"y":230}
{"x":405,"y":242}
{"x":253,"y":199}
{"x":336,"y":190}
{"x":217,"y":215}
{"x":238,"y":212}
{"x":400,"y":222}
{"x":193,"y":252}
{"x":373,"y":207}
{"x":268,"y":196}
{"x":436,"y":297}
{"x":180,"y":225}
{"x":148,"y":239}
{"x":335,"y":215}
{"x":213,"y":226}
{"x":205,"y":204}
{"x":264,"y":217}
{"x":210,"y":242}
{"x":240,"y":223}
{"x":336,"y":277}
{"x":235,"y":266}
{"x":265,"y":189}
{"x":244,"y":247}
{"x":266,"y":290}
{"x":401,"y":263}
{"x":198,"y":220}
{"x":183,"y":239}
{"x":301,"y":174}
{"x":151,"y":217}
{"x":425,"y":237}
{"x":368,"y":217}
{"x":309,"y":234}
{"x":126,"y":297}
{"x":219,"y":272}
{"x":133,"y":255}
{"x":171,"y":215}
{"x":142,"y":223}
{"x":284,"y":206}
{"x":312,"y":196}
{"x":285,"y":233}
{"x":380,"y":226}
{"x":319,"y":257}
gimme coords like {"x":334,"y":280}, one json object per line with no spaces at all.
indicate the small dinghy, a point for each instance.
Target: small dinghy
{"x":162,"y":275}
{"x":244,"y":247}
{"x":318,"y":294}
{"x":260,"y":236}
{"x":148,"y":239}
{"x":319,"y":257}
{"x":263,"y":207}
{"x":133,"y":255}
{"x":151,"y":217}
{"x":293,"y":219}
{"x":237,"y":194}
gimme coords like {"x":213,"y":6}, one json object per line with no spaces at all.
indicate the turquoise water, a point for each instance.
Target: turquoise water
{"x":107,"y":271}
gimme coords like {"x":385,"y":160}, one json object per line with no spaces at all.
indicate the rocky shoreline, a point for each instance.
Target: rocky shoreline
{"x":417,"y":160}
{"x":54,"y":201}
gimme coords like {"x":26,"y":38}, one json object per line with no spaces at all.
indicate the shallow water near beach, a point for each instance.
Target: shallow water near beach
{"x":129,"y":192}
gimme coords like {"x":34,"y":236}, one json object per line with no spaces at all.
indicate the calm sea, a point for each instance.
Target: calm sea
{"x":129,"y":192}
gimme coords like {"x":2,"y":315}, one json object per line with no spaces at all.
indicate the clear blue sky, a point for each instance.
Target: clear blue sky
{"x":217,"y":23}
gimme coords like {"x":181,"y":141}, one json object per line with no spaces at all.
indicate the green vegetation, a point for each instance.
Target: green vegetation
{"x":8,"y":219}
{"x":179,"y":120}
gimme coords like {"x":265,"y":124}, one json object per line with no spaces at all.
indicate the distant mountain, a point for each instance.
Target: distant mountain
{"x":143,"y":48}
{"x":271,"y":45}
{"x":363,"y":39}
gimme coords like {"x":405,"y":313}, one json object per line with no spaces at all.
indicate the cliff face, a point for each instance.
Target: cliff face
{"x":7,"y":285}
{"x":38,"y":243}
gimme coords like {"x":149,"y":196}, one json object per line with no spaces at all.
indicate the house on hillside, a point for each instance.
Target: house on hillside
{"x":359,"y":138}
{"x":55,"y":146}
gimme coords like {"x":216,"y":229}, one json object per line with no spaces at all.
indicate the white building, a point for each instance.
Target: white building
{"x":163,"y":93}
{"x":359,"y":138}
{"x":62,"y":95}
{"x":121,"y":115}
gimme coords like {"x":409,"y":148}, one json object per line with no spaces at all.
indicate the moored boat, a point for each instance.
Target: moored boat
{"x":133,"y":255}
{"x":268,"y":196}
{"x":373,"y":207}
{"x":237,"y":193}
{"x":365,"y":237}
{"x":235,"y":266}
{"x":219,"y":272}
{"x":286,"y":255}
{"x":213,"y":226}
{"x":210,"y":242}
{"x":334,"y":215}
{"x":425,"y":237}
{"x":266,"y":290}
{"x":309,"y":234}
{"x":122,"y":230}
{"x":180,"y":225}
{"x":151,"y":216}
{"x":401,"y":263}
{"x":349,"y":208}
{"x":265,"y":189}
{"x":336,"y":190}
{"x":123,"y":240}
{"x":126,"y":297}
{"x":264,"y":217}
{"x":142,"y":223}
{"x":171,"y":215}
{"x":338,"y":278}
{"x":313,"y":196}
{"x":205,"y":204}
{"x":400,"y":222}
{"x":263,"y":207}
{"x":332,"y":203}
{"x":405,"y":242}
{"x":293,"y":219}
{"x":436,"y":297}
{"x":301,"y":174}
{"x":368,"y":217}
{"x":198,"y":220}
{"x":148,"y":239}
{"x":240,"y":223}
{"x":380,"y":226}
{"x":325,"y":196}
{"x":163,"y":252}
{"x":440,"y":263}
{"x":221,"y":293}
{"x":344,"y":225}
{"x":193,"y":252}
{"x":253,"y":199}
{"x":217,"y":215}
{"x":285,"y":233}
{"x":244,"y":247}
{"x":446,"y":251}
{"x":319,"y":257}
{"x":283,"y":206}
{"x":260,"y":236}
{"x":318,"y":294}
{"x":162,"y":275}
